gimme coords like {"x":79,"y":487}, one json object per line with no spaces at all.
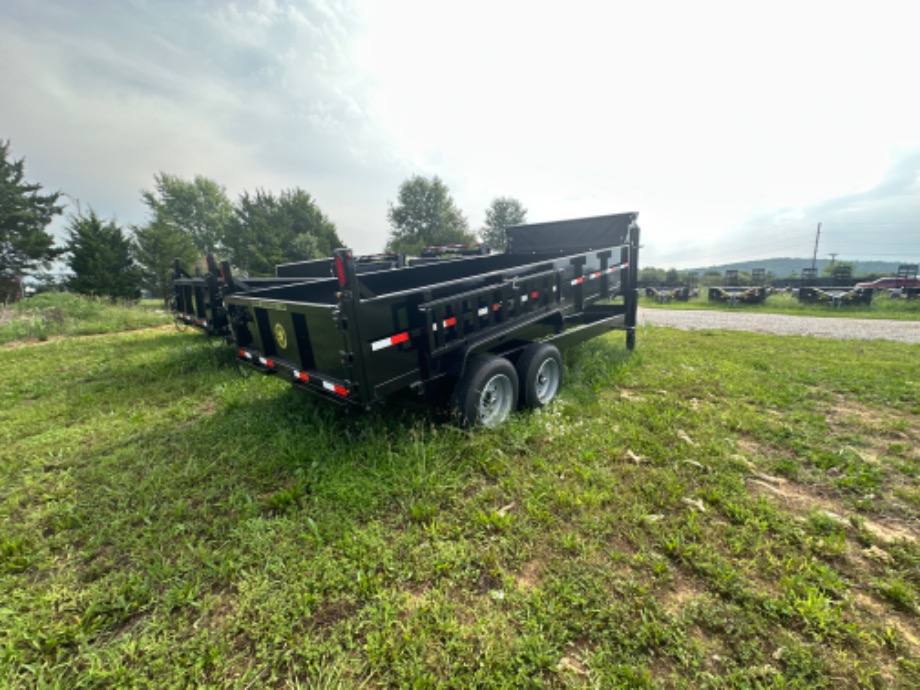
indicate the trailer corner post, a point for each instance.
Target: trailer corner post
{"x":346,"y":271}
{"x":631,"y":293}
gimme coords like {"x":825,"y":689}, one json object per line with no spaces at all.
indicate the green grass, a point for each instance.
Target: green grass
{"x":881,"y":308}
{"x":53,"y":314}
{"x":715,"y":510}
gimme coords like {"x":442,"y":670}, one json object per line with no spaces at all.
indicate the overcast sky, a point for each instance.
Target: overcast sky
{"x":733,"y":127}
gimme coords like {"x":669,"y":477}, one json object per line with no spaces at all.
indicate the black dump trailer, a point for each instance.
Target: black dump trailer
{"x":486,"y":330}
{"x":198,"y":301}
{"x":449,"y":252}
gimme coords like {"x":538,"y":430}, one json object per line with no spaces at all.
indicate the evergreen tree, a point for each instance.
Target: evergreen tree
{"x":100,"y":259}
{"x":24,"y":214}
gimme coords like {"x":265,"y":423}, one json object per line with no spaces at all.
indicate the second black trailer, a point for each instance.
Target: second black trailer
{"x":486,"y":330}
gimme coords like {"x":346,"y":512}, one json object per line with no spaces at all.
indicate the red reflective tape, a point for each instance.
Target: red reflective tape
{"x":534,"y":295}
{"x":269,"y":363}
{"x":578,"y":281}
{"x":302,"y":375}
{"x":596,"y":275}
{"x":452,"y":321}
{"x":392,"y":340}
{"x":335,"y":388}
{"x":496,"y":306}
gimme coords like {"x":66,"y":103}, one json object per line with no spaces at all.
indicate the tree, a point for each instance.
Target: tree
{"x":199,"y":208}
{"x":502,"y":213}
{"x":100,"y":258}
{"x":156,"y":245}
{"x":425,"y":215}
{"x":24,"y":214}
{"x":837,"y":267}
{"x":267,"y":230}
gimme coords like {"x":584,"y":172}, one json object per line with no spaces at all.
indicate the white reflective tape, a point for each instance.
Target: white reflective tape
{"x":434,"y":326}
{"x":483,"y":311}
{"x":554,"y":288}
{"x":263,"y":361}
{"x":328,"y":386}
{"x":523,"y":298}
{"x":380,"y":344}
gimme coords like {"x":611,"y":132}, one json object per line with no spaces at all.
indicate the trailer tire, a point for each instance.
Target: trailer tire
{"x":539,"y":370}
{"x":487,"y":393}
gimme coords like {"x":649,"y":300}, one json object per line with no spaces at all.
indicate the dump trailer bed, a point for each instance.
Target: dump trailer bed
{"x":198,"y":301}
{"x":355,"y":338}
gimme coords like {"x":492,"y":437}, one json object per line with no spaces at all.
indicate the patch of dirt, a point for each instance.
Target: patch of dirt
{"x":529,"y":577}
{"x":331,"y":612}
{"x":17,"y":344}
{"x":907,"y":627}
{"x":683,"y":593}
{"x":845,"y":416}
{"x":801,"y":500}
{"x":630,"y":395}
{"x":750,"y":448}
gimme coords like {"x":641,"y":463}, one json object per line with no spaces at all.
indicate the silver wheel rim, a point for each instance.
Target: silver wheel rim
{"x":547,"y":381}
{"x":495,"y":400}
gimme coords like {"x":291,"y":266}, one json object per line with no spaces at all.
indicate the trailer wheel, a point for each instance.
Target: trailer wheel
{"x":487,"y":393}
{"x":540,"y":373}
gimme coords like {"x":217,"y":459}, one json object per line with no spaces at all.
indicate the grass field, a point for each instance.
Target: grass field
{"x":714,"y":510}
{"x":54,"y":314}
{"x":882,"y":307}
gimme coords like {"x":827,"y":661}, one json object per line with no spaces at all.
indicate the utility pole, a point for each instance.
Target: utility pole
{"x":833,"y":256}
{"x":814,"y":258}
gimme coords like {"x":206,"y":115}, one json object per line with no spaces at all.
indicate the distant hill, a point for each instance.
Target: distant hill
{"x":785,"y":267}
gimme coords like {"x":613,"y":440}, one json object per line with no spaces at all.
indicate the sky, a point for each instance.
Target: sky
{"x":733,"y":128}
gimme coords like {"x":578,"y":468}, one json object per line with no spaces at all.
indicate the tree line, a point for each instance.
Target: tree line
{"x":188,"y":218}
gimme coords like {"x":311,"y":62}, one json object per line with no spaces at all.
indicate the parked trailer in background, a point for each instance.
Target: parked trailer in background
{"x":738,"y":295}
{"x":487,"y":331}
{"x":733,"y":293}
{"x":835,"y":296}
{"x":450,"y":252}
{"x":663,"y":295}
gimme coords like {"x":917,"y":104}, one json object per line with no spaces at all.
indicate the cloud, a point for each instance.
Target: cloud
{"x":260,"y":95}
{"x":729,"y":137}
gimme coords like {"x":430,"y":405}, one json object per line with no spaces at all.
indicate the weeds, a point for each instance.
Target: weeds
{"x":54,"y":314}
{"x":780,"y":303}
{"x":715,"y":510}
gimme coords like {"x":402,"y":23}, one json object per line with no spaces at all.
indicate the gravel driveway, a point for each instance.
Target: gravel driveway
{"x":783,"y":324}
